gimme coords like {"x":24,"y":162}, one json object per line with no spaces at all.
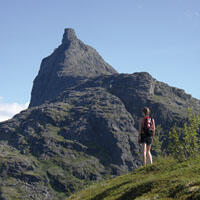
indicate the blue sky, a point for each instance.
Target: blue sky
{"x":161,"y":37}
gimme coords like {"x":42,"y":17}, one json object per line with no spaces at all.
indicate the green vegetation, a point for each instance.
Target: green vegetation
{"x":166,"y":179}
{"x":53,"y":132}
{"x":157,"y":142}
{"x":181,"y":142}
{"x":184,"y":142}
{"x":160,"y":98}
{"x":10,"y":192}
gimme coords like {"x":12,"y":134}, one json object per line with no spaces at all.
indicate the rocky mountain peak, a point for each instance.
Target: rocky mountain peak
{"x":69,"y":35}
{"x":70,"y":64}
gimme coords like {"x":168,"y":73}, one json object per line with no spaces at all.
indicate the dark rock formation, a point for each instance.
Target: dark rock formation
{"x":70,"y":64}
{"x":86,"y":136}
{"x":86,"y":130}
{"x":168,"y":104}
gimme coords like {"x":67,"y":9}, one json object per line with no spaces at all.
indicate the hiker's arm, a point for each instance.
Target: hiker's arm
{"x":154,"y":131}
{"x":140,"y":130}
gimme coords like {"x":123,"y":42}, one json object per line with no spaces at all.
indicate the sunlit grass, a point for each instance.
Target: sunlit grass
{"x":166,"y":179}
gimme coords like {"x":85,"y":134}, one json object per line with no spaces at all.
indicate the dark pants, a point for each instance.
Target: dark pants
{"x":146,"y":139}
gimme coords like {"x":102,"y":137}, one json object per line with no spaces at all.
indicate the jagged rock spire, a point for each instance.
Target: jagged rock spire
{"x":69,"y":35}
{"x":72,"y":62}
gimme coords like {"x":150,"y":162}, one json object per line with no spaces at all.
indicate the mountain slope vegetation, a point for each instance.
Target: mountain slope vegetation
{"x":166,"y":179}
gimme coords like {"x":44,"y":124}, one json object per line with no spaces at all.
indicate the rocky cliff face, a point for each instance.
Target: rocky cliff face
{"x":64,"y":145}
{"x":81,"y":124}
{"x":168,"y":104}
{"x":70,"y":64}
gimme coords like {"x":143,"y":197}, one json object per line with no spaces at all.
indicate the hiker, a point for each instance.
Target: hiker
{"x":146,"y":133}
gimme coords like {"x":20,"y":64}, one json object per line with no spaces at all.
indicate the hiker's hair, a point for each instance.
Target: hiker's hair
{"x":146,"y":111}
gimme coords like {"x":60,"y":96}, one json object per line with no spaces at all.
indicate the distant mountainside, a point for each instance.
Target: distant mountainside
{"x":81,"y":125}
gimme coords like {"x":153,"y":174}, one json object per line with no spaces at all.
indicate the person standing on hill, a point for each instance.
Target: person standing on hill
{"x":146,"y":133}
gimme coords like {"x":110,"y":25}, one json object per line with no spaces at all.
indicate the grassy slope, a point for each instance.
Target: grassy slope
{"x":166,"y":179}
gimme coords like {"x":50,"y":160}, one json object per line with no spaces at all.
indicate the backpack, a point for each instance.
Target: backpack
{"x":148,"y":126}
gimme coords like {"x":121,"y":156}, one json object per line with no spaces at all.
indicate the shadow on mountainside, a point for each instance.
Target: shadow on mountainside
{"x":106,"y":192}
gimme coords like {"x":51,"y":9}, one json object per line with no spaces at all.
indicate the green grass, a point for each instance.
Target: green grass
{"x":166,"y":179}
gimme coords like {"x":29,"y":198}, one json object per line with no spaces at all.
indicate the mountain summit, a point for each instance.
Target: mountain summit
{"x":69,"y":35}
{"x":69,"y":64}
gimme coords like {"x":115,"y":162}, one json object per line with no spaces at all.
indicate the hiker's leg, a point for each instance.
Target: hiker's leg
{"x":145,"y":153}
{"x":149,"y":153}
